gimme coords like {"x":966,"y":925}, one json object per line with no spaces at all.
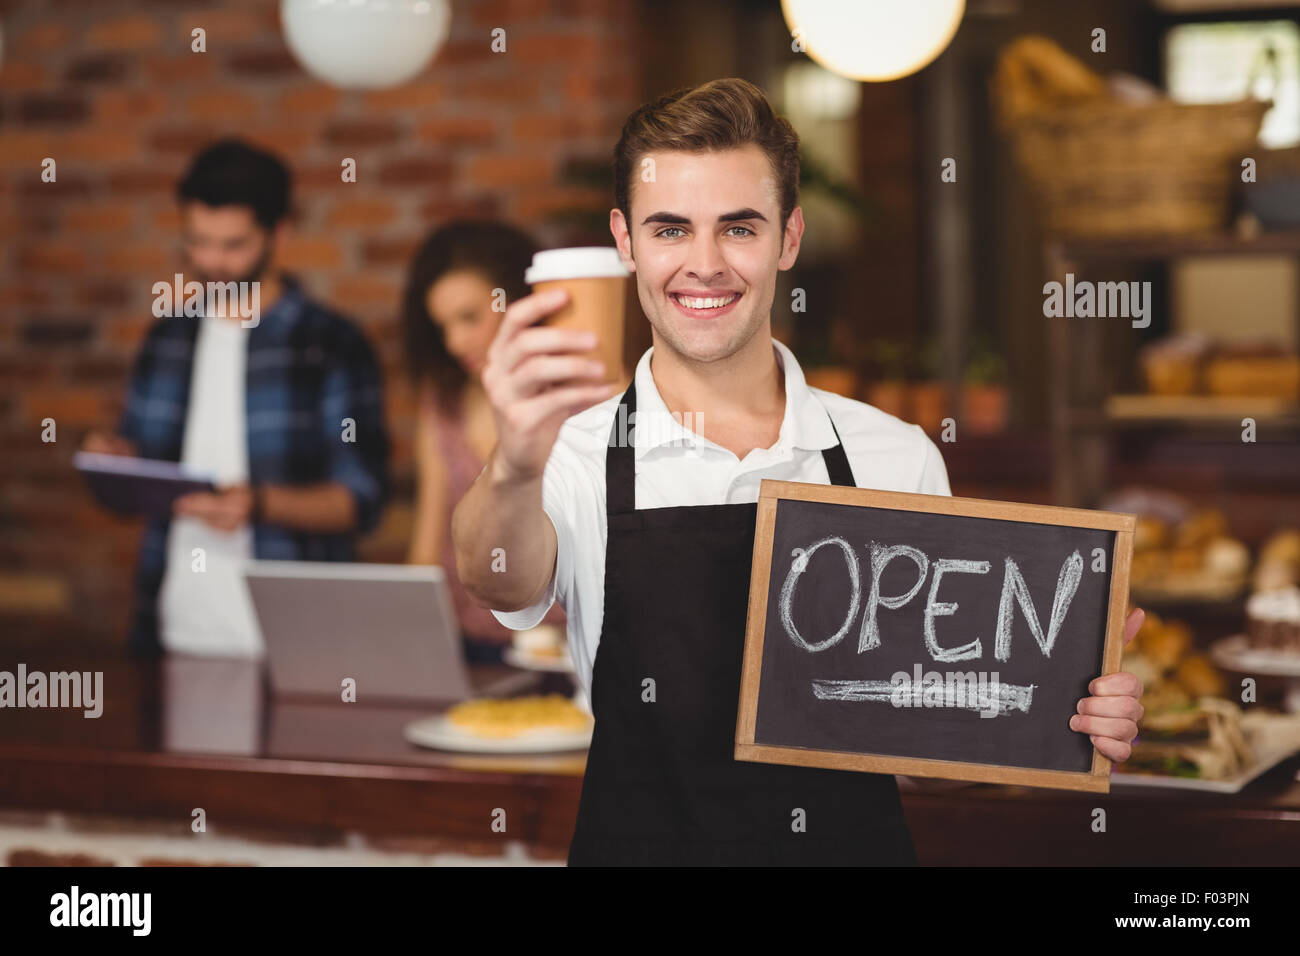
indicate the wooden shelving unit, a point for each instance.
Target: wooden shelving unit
{"x":1086,"y":416}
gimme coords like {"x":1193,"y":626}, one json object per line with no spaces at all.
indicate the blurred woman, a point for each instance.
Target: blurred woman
{"x":451,"y":312}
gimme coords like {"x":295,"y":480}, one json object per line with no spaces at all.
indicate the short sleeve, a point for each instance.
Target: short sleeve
{"x":934,"y":474}
{"x":557,"y":494}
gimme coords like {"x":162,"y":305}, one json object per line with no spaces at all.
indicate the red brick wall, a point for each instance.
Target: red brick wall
{"x":112,"y":92}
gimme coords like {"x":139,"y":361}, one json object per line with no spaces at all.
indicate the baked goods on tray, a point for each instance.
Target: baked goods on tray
{"x":1193,"y":364}
{"x":1188,"y":729}
{"x":1192,"y":558}
{"x":1262,"y":371}
{"x":1175,"y":364}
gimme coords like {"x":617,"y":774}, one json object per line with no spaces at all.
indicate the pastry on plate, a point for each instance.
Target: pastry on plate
{"x":512,"y":716}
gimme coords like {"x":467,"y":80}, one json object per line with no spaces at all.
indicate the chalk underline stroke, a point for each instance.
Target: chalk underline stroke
{"x":999,"y":697}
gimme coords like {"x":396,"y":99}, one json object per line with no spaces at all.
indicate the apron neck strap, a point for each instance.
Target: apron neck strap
{"x":620,"y":457}
{"x":837,"y":462}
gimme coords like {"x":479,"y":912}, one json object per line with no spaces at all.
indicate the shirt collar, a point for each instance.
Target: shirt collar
{"x":290,"y":302}
{"x":805,"y":424}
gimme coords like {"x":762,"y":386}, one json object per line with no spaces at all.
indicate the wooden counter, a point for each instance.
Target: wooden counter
{"x":201,"y":734}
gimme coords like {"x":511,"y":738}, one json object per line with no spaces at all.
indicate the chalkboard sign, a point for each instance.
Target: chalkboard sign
{"x":928,"y":635}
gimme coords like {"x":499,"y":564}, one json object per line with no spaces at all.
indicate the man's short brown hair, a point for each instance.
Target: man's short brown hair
{"x":720,"y":114}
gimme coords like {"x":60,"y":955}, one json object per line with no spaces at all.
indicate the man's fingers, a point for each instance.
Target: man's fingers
{"x":524,"y":312}
{"x":542,"y":340}
{"x":192,"y":502}
{"x":540,"y":372}
{"x":1122,"y":684}
{"x":566,"y":401}
{"x":1133,"y":623}
{"x":1125,"y":707}
{"x":1116,"y":750}
{"x":107,"y":443}
{"x":1113,"y":727}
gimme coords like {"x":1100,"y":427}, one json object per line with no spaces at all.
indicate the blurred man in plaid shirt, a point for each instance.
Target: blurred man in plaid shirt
{"x":284,"y":407}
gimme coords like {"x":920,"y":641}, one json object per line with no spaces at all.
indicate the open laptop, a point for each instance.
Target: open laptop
{"x":390,"y":627}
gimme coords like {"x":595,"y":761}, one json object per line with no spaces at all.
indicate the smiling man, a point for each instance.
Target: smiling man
{"x":647,"y":545}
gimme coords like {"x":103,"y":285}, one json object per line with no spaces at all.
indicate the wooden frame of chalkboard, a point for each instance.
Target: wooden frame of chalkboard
{"x":754,"y":744}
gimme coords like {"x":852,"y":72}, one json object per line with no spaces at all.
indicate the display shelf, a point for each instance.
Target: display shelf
{"x":1086,"y":415}
{"x":1196,"y":409}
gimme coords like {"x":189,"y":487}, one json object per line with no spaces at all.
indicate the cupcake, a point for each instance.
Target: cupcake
{"x":1273,"y":620}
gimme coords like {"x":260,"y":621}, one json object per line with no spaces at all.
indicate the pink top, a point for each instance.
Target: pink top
{"x":463,"y":466}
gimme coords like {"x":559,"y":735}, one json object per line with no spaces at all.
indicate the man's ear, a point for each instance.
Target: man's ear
{"x":622,"y":238}
{"x":791,"y":239}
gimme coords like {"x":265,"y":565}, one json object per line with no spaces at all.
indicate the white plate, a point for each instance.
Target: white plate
{"x":1235,"y":654}
{"x":440,"y":733}
{"x":1274,"y":736}
{"x":516,"y":657}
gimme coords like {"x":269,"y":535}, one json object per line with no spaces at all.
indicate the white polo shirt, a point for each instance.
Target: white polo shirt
{"x":676,"y":467}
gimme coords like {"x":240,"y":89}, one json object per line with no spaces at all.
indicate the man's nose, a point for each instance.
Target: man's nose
{"x":705,"y":258}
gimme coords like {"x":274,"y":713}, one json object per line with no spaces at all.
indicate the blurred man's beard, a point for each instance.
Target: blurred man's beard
{"x":254,"y":273}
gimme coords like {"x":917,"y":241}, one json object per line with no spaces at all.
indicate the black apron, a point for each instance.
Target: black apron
{"x":662,"y":786}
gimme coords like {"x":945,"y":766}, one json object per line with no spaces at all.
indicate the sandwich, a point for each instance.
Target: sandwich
{"x":1203,"y":740}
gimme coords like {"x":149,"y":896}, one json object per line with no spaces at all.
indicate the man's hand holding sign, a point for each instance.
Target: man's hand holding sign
{"x":1110,"y":716}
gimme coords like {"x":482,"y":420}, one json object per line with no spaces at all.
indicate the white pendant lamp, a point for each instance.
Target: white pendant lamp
{"x":873,"y":39}
{"x":364,"y":44}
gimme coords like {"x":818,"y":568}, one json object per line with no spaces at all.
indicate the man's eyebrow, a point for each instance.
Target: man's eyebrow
{"x":671,"y":218}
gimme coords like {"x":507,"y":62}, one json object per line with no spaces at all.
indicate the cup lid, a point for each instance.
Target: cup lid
{"x":579,"y":262}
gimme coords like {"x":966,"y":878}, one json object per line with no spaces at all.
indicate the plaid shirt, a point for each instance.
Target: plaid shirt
{"x":307,"y":370}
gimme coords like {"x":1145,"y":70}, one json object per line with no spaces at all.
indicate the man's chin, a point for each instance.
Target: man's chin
{"x":704,"y":346}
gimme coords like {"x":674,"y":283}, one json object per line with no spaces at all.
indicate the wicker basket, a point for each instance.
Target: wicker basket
{"x":1105,"y":168}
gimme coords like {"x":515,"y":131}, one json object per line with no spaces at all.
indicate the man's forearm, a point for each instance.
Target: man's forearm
{"x":503,"y":540}
{"x":325,"y":508}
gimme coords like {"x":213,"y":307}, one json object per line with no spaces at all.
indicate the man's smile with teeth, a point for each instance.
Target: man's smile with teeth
{"x":711,"y":303}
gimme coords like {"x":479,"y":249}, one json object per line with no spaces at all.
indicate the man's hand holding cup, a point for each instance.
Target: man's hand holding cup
{"x":558,"y":351}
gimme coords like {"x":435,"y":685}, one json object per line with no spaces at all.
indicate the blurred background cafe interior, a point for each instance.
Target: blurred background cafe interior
{"x":971,"y":154}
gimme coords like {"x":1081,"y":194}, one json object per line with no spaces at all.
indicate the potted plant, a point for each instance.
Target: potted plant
{"x":984,"y":390}
{"x":887,"y":388}
{"x":927,"y":394}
